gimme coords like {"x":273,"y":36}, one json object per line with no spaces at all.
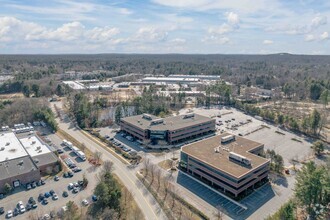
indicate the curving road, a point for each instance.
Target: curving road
{"x":148,"y":205}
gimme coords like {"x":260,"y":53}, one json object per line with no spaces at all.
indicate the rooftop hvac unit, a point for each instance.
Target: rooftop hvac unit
{"x":157,"y":121}
{"x":190,"y":115}
{"x":239,"y":158}
{"x":227,"y":138}
{"x":36,"y":160}
{"x":33,"y":142}
{"x":8,"y":143}
{"x":2,"y":148}
{"x":20,"y":162}
{"x":38,"y":148}
{"x":147,"y":116}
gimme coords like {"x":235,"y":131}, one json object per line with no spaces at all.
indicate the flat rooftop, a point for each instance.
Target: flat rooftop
{"x":34,"y":147}
{"x":17,"y":166}
{"x":74,"y":85}
{"x":169,"y":123}
{"x":12,"y":147}
{"x":204,"y":151}
{"x":166,"y":79}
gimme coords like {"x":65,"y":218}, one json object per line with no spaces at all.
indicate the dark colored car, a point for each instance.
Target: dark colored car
{"x":72,"y":165}
{"x":33,"y":185}
{"x":56,"y":178}
{"x":65,"y":194}
{"x":45,"y":201}
{"x":80,"y":182}
{"x":70,"y":174}
{"x":76,"y":169}
{"x":60,"y":151}
{"x":42,"y":182}
{"x":2,"y":210}
{"x":94,"y":198}
{"x":52,"y":192}
{"x":39,"y":183}
{"x":34,"y":205}
{"x":31,"y":200}
{"x":41,"y":197}
{"x":16,"y":211}
{"x":47,"y":194}
{"x":65,"y":175}
{"x":28,"y":207}
{"x":2,"y":196}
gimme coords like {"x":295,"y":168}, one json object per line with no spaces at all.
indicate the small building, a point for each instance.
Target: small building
{"x":170,"y":130}
{"x":229,"y":163}
{"x":24,"y":158}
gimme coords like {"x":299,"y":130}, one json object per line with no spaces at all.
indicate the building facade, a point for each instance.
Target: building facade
{"x":233,"y":167}
{"x":170,"y":130}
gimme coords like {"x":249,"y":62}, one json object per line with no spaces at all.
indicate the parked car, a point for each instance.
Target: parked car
{"x":75,"y":190}
{"x":72,"y":165}
{"x":22,"y":209}
{"x":16,"y":212}
{"x":70,"y":186}
{"x":76,"y":169}
{"x":65,"y":194}
{"x":31,"y":200}
{"x":28,"y":186}
{"x":85,"y":202}
{"x":42,"y":182}
{"x":94,"y":198}
{"x":28,"y":207}
{"x":65,"y":175}
{"x":55,"y":196}
{"x":70,"y":174}
{"x":34,"y":205}
{"x":52,"y":214}
{"x":9,"y":213}
{"x":47,"y":194}
{"x":51,"y":192}
{"x":41,"y":197}
{"x":80,"y":182}
{"x":56,"y":178}
{"x":39,"y":183}
{"x":45,"y":201}
{"x":60,"y":151}
{"x":2,"y":210}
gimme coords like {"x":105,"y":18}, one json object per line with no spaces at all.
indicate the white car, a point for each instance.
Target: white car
{"x":85,"y":202}
{"x":71,"y":185}
{"x":9,"y":214}
{"x":46,"y":217}
{"x":22,"y":209}
{"x":55,"y":197}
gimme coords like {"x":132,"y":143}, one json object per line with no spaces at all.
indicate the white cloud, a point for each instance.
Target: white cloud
{"x":125,"y":11}
{"x":318,"y":21}
{"x":102,"y":34}
{"x":324,"y":36}
{"x":310,"y":37}
{"x":150,"y":34}
{"x":213,"y":39}
{"x":267,"y":42}
{"x":223,"y":29}
{"x":178,"y":41}
{"x":232,"y":18}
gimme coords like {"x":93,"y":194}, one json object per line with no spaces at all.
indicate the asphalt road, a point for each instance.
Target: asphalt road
{"x":148,"y":205}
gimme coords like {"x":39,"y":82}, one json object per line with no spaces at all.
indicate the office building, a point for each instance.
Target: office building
{"x":229,"y":163}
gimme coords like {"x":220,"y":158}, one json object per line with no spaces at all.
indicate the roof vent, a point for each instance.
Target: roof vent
{"x":8,"y":143}
{"x":147,"y":116}
{"x":190,"y":115}
{"x":2,"y":148}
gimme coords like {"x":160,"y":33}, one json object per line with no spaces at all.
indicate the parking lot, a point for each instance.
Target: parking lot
{"x":53,"y":204}
{"x":230,"y":208}
{"x":287,"y":144}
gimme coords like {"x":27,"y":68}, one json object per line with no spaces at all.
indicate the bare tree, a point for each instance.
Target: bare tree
{"x":146,"y":166}
{"x":152,"y":173}
{"x":97,"y":156}
{"x":159,"y":178}
{"x":108,"y":166}
{"x":83,"y":147}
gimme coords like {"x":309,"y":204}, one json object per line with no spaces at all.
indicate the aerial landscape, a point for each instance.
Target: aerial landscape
{"x":147,"y":110}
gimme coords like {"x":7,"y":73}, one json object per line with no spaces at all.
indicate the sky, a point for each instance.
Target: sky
{"x":165,"y":26}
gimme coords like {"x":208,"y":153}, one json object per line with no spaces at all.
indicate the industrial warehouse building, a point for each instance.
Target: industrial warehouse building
{"x":229,"y":163}
{"x":23,"y":159}
{"x":171,"y":130}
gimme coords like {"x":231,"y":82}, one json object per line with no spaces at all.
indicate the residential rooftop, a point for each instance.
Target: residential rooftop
{"x":205,"y":151}
{"x":169,"y":123}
